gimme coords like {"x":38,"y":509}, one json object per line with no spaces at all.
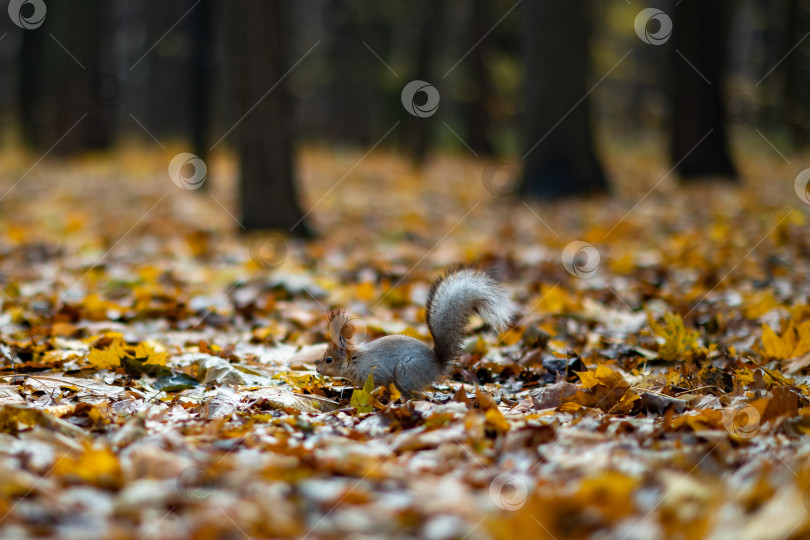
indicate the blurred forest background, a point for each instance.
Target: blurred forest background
{"x":535,"y":83}
{"x":629,"y":170}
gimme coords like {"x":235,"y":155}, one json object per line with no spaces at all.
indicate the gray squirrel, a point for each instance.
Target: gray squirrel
{"x":408,"y":363}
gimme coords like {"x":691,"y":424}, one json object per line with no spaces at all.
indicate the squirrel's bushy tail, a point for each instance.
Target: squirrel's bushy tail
{"x":454,"y":298}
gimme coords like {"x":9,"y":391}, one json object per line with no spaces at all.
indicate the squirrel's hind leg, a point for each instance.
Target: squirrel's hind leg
{"x":413,"y":375}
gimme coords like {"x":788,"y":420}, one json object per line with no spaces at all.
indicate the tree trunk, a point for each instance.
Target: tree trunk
{"x":560,"y":160}
{"x":350,"y":94}
{"x":480,"y":119}
{"x":201,"y":81}
{"x":170,"y":68}
{"x":700,"y":37}
{"x":257,"y":61}
{"x":63,"y":79}
{"x":797,"y":75}
{"x":418,"y":131}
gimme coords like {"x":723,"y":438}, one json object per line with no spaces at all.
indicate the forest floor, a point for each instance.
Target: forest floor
{"x":158,"y":377}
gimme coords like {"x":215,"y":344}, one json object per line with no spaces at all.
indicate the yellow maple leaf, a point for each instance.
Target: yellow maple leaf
{"x":109,"y":358}
{"x":569,"y":406}
{"x":394,"y":392}
{"x":149,"y":355}
{"x":106,"y":337}
{"x":512,"y":336}
{"x":414,"y":333}
{"x":610,"y":492}
{"x":555,"y":300}
{"x":794,"y":341}
{"x":678,"y":341}
{"x":295,"y":379}
{"x":744,"y":376}
{"x":623,"y":264}
{"x":96,"y":466}
{"x":494,"y":420}
{"x":479,"y":347}
{"x":361,"y":397}
{"x":365,"y":291}
{"x":601,"y":375}
{"x":699,"y":420}
{"x":803,"y":346}
{"x":95,"y":307}
{"x":774,"y":346}
{"x":628,"y":401}
{"x":759,"y":304}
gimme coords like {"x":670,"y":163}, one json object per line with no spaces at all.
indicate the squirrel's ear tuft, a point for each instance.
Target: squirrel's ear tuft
{"x":337,"y":312}
{"x":340,"y":329}
{"x":346,"y":330}
{"x":338,"y":318}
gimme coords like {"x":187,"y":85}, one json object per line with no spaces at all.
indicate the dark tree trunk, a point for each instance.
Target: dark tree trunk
{"x":350,"y":93}
{"x":699,"y":142}
{"x":257,"y":61}
{"x":418,"y":130}
{"x":560,"y":160}
{"x":31,"y":78}
{"x":797,"y":101}
{"x":107,"y":91}
{"x":64,"y":79}
{"x":201,"y":80}
{"x":479,"y":109}
{"x":170,"y":67}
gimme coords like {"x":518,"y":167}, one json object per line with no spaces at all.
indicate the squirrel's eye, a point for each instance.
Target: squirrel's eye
{"x":328,"y":359}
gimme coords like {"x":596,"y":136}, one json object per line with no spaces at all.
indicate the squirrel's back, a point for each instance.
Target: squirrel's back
{"x":454,"y":298}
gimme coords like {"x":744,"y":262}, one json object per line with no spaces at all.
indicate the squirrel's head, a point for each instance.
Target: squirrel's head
{"x":346,"y":333}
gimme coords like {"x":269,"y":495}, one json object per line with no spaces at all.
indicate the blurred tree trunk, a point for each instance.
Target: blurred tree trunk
{"x":31,"y":66}
{"x":201,"y":81}
{"x":356,"y":111}
{"x":418,"y":130}
{"x":257,"y":61}
{"x":351,"y":93}
{"x":63,"y":82}
{"x":170,"y":67}
{"x":479,"y":109}
{"x":560,"y":160}
{"x":699,"y":142}
{"x":797,"y":76}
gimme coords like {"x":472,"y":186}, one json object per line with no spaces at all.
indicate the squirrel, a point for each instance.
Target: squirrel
{"x":408,"y":363}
